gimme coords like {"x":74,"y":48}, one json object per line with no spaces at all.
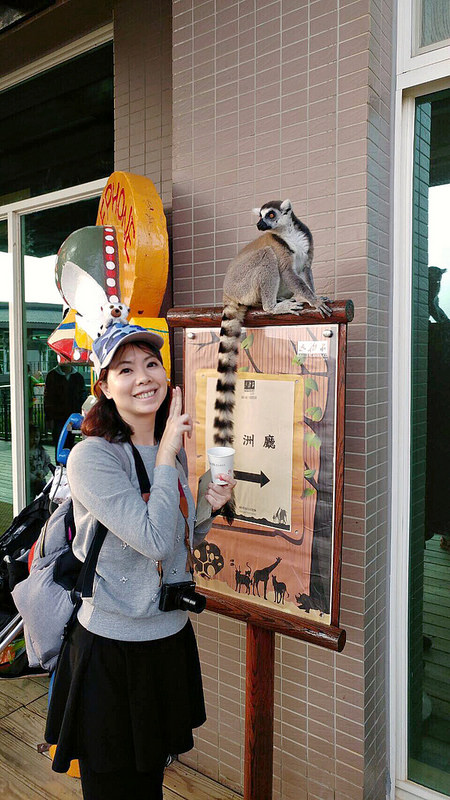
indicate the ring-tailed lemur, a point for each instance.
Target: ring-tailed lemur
{"x":273,"y":272}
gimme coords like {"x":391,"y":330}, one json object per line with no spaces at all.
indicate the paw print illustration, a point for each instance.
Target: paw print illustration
{"x":208,"y":560}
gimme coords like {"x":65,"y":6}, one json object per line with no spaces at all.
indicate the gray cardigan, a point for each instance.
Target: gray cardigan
{"x":105,"y":487}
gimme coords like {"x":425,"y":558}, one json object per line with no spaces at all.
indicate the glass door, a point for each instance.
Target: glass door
{"x":429,"y":585}
{"x":52,"y":391}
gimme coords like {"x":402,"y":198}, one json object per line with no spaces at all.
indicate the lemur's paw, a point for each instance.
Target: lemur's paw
{"x":296,"y":307}
{"x":323,"y":307}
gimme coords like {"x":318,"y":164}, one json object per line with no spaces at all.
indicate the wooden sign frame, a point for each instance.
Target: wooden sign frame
{"x":262,"y":625}
{"x":331,"y":635}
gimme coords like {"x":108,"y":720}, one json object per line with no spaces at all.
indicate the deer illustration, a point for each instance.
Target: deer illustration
{"x":242,"y":579}
{"x":280,"y":516}
{"x":280,"y":589}
{"x":262,"y":576}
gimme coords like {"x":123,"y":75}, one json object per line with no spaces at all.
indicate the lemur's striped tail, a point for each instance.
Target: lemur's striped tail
{"x":230,"y":334}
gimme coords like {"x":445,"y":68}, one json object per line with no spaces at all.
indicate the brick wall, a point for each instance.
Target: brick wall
{"x":290,"y":98}
{"x":143,"y":98}
{"x":143,"y":91}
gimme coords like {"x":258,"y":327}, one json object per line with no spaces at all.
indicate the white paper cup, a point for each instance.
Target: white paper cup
{"x":221,"y":463}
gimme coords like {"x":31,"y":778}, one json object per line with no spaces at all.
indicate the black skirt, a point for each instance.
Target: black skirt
{"x":116,"y":703}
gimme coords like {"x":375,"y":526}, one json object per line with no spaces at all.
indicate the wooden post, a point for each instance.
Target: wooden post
{"x":259,"y":707}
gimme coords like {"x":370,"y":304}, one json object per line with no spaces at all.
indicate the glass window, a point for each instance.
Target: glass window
{"x":434,"y":22}
{"x":53,"y":391}
{"x":6,"y":499}
{"x":57,"y":128}
{"x":429,"y":625}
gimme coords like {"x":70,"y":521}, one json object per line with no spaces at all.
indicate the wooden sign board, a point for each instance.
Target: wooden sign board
{"x":278,"y":565}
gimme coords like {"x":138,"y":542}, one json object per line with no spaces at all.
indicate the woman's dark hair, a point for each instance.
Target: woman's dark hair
{"x":104,"y":420}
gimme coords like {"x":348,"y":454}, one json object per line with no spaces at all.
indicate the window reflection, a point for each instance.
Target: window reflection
{"x":429,"y":632}
{"x":53,"y":390}
{"x":435,"y":22}
{"x":6,"y":508}
{"x":64,"y":394}
{"x":58,"y":127}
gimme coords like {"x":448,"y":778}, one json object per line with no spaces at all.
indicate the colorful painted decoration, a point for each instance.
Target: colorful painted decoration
{"x":69,"y":341}
{"x":114,"y":270}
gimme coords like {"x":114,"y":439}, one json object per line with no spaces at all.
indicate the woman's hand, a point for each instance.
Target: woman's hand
{"x":176,"y":426}
{"x":217,"y":495}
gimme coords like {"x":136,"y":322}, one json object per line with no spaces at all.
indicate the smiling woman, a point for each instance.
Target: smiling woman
{"x":125,"y":722}
{"x":137,"y":383}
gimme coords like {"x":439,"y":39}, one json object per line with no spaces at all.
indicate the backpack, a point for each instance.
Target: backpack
{"x":49,"y":597}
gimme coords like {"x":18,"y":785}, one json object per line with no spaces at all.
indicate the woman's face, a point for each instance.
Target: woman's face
{"x":137,"y":382}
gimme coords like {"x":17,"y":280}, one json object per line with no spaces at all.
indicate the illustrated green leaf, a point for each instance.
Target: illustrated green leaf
{"x":309,"y":473}
{"x":248,"y":341}
{"x":313,"y":440}
{"x":298,"y":360}
{"x":314,"y":412}
{"x":308,"y":492}
{"x":310,"y":386}
{"x":243,"y":369}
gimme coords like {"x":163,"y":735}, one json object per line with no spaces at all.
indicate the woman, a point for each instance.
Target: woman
{"x":128,"y":686}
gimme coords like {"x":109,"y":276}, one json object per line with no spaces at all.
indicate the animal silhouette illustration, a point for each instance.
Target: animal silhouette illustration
{"x":305,"y":603}
{"x":280,"y":516}
{"x":262,"y":576}
{"x":242,"y":579}
{"x":280,"y":590}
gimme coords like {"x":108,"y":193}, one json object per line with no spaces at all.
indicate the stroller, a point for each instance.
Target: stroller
{"x":16,"y":548}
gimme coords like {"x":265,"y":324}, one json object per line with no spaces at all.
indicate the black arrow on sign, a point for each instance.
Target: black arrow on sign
{"x":251,"y":477}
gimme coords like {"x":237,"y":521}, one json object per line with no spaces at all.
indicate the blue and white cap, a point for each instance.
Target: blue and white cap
{"x":115,"y":336}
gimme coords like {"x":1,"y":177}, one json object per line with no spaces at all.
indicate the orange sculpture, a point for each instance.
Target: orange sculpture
{"x":123,"y":259}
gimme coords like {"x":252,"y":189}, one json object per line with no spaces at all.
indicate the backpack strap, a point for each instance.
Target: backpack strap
{"x":85,"y":582}
{"x":141,"y":472}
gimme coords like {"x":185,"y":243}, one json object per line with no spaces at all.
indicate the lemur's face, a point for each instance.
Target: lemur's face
{"x":273,"y":215}
{"x":269,"y":219}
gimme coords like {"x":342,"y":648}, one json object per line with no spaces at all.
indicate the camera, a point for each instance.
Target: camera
{"x":181,"y":596}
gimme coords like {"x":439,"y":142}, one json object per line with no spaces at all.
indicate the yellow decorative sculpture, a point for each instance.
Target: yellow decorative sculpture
{"x":123,"y":259}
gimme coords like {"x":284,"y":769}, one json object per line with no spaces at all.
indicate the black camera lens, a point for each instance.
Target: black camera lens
{"x":192,"y":602}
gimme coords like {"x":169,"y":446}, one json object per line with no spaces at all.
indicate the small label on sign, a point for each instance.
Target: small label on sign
{"x":312,"y":348}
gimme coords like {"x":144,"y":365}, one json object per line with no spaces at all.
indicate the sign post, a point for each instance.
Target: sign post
{"x":259,"y":697}
{"x":278,"y":567}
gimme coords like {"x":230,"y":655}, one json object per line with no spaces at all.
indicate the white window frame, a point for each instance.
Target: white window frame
{"x":12,"y":212}
{"x":76,"y":48}
{"x":424,"y":77}
{"x":414,"y":65}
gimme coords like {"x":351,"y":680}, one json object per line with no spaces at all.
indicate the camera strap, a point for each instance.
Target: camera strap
{"x":144,"y":485}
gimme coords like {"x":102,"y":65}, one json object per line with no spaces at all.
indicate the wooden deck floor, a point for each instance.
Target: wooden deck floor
{"x":25,"y":774}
